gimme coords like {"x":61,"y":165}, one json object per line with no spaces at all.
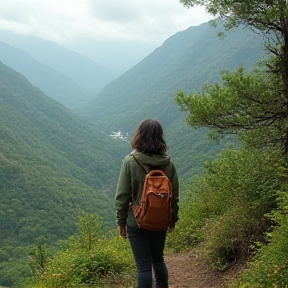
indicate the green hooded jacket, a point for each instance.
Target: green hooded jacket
{"x":131,"y":180}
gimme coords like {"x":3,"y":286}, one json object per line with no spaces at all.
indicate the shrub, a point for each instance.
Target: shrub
{"x":228,"y":237}
{"x":107,"y":258}
{"x":269,"y":268}
{"x":227,"y":205}
{"x":87,"y":257}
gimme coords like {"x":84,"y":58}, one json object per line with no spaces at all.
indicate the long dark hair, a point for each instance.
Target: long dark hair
{"x":148,"y":138}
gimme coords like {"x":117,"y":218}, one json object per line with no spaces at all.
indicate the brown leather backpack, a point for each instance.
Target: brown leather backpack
{"x":154,"y":210}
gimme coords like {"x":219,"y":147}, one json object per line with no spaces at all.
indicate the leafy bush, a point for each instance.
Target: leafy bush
{"x":228,"y":237}
{"x":227,"y":205}
{"x":88,"y":258}
{"x":270,"y":266}
{"x":70,"y":267}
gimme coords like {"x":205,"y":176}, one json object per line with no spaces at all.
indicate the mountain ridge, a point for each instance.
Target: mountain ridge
{"x":53,"y":83}
{"x":147,"y":90}
{"x":60,"y":66}
{"x":169,"y":72}
{"x":53,"y":164}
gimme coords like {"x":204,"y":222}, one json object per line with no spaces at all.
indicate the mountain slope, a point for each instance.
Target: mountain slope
{"x":86,"y":73}
{"x":53,"y":83}
{"x":53,"y":165}
{"x":186,"y":61}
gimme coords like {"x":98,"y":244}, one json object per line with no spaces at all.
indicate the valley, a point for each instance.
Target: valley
{"x":57,"y":153}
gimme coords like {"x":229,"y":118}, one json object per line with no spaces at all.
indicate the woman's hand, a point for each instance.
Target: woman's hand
{"x":171,"y":227}
{"x":122,"y":231}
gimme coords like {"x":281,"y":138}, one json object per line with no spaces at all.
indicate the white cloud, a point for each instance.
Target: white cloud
{"x":66,"y":21}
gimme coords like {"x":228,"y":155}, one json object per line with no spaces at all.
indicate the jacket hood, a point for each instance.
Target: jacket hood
{"x":151,"y":160}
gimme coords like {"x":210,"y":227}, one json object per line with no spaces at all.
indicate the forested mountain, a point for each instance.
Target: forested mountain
{"x":186,"y":60}
{"x":52,"y":165}
{"x":53,"y":83}
{"x":67,"y":76}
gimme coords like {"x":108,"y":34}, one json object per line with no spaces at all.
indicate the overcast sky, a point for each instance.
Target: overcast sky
{"x":70,"y":21}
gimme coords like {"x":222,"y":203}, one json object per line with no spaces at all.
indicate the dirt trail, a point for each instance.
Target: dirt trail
{"x":186,"y":270}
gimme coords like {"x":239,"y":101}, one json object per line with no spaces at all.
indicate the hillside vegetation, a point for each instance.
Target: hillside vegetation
{"x":53,"y":166}
{"x":43,"y":146}
{"x":243,"y":194}
{"x":237,"y":208}
{"x":186,"y":60}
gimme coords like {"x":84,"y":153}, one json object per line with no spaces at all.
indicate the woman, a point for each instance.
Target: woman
{"x":147,"y":246}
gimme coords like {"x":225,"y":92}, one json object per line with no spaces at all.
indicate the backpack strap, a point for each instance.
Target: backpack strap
{"x":146,"y":172}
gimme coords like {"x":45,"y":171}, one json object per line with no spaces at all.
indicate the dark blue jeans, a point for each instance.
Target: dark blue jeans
{"x":147,"y":248}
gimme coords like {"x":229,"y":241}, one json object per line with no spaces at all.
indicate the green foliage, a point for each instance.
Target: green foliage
{"x":187,"y":232}
{"x":269,"y":268}
{"x":14,"y":264}
{"x":262,"y":15}
{"x":253,"y":102}
{"x":229,"y":237}
{"x":227,"y":206}
{"x":208,"y":107}
{"x":249,"y":104}
{"x":253,"y":106}
{"x":39,"y":253}
{"x":89,"y":229}
{"x":53,"y":165}
{"x":81,"y":262}
{"x":14,"y":273}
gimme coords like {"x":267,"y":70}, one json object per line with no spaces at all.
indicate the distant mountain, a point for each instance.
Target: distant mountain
{"x":118,"y":56}
{"x":86,"y":73}
{"x":52,"y":164}
{"x":53,"y":83}
{"x":186,"y":61}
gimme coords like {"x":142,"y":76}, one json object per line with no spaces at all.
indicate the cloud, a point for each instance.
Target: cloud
{"x":67,"y":21}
